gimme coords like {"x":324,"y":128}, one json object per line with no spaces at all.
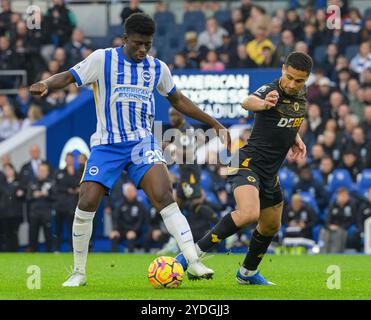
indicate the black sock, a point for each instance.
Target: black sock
{"x":223,"y":229}
{"x":258,"y":247}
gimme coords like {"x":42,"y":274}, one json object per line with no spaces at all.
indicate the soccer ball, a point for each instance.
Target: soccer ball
{"x":165,"y":272}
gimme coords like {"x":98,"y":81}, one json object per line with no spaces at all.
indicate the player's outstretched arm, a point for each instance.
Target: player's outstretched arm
{"x":254,"y":103}
{"x":58,"y":81}
{"x":188,"y":108}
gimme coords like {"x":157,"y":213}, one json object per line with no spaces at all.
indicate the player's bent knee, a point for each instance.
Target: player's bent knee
{"x":270,"y":230}
{"x":162,"y":198}
{"x":87,"y":204}
{"x":249,"y":214}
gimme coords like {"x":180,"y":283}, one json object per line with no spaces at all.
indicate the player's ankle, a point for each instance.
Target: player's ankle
{"x":199,"y":251}
{"x":247,"y":272}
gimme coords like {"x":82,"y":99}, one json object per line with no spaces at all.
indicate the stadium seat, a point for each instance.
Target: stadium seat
{"x":100,"y":42}
{"x":320,"y":54}
{"x":175,"y":38}
{"x":340,"y":178}
{"x":351,"y":51}
{"x":142,"y":197}
{"x":211,"y":197}
{"x":165,"y":17}
{"x":367,"y":13}
{"x":222,"y":16}
{"x":206,"y":182}
{"x":309,"y":199}
{"x":364,"y":181}
{"x":194,"y":21}
{"x":287,"y":181}
{"x":115,"y":31}
{"x":317,"y":176}
{"x":174,"y":170}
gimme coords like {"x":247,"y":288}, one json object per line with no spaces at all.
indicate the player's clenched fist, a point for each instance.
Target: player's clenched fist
{"x":39,"y":89}
{"x":271,"y":99}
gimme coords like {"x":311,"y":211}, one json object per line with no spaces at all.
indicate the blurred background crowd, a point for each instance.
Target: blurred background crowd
{"x":327,"y":195}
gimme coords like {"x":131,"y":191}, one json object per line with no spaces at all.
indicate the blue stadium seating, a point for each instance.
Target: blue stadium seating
{"x":319,"y":54}
{"x":211,"y":197}
{"x":163,"y":18}
{"x":367,"y":13}
{"x":351,"y":51}
{"x":194,"y":21}
{"x":175,"y":171}
{"x":222,"y":16}
{"x":287,"y":181}
{"x":364,"y":181}
{"x":115,"y":31}
{"x":309,"y":199}
{"x":340,"y":178}
{"x":317,"y":176}
{"x":206,"y":182}
{"x":142,"y":197}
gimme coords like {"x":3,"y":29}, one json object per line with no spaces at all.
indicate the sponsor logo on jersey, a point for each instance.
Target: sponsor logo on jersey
{"x":290,"y":122}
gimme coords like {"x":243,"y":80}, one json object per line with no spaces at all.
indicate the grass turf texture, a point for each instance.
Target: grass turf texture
{"x":124,"y":276}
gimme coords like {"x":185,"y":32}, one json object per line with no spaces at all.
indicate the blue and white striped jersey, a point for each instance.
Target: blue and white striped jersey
{"x":123,"y":93}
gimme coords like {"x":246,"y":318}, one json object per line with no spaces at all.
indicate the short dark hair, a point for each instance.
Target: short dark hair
{"x":140,"y":23}
{"x":299,"y":61}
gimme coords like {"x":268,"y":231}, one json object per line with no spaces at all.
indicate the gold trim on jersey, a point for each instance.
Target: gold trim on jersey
{"x":83,"y":173}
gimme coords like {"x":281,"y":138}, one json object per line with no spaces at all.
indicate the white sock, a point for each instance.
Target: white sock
{"x":246,"y":272}
{"x":81,"y":234}
{"x":199,"y":251}
{"x":177,"y":225}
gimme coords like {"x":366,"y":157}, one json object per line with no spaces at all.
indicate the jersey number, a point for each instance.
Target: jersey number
{"x":154,"y":156}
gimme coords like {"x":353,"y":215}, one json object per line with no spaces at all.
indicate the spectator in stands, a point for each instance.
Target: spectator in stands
{"x":127,"y":219}
{"x":66,"y":190}
{"x":355,"y":105}
{"x":255,"y":47}
{"x":53,"y":67}
{"x":34,"y":114}
{"x":322,"y":99}
{"x":343,"y":76}
{"x":74,"y":49}
{"x":309,"y":36}
{"x":73,"y":92}
{"x":340,"y":217}
{"x":306,"y":135}
{"x":364,"y":213}
{"x":240,"y":35}
{"x":157,"y":233}
{"x":330,"y":146}
{"x":351,"y":163}
{"x":366,"y":123}
{"x":236,"y":17}
{"x":329,"y":61}
{"x":180,"y":62}
{"x":11,"y":211}
{"x":128,"y":10}
{"x":29,"y":170}
{"x":336,"y":100}
{"x":7,"y":61}
{"x":284,"y":47}
{"x":117,"y":42}
{"x":362,"y":60}
{"x":60,"y":23}
{"x":226,"y":51}
{"x":275,"y":31}
{"x":5,"y":17}
{"x":326,"y":167}
{"x":61,"y":58}
{"x":22,"y":102}
{"x":352,"y":26}
{"x":212,"y":37}
{"x":365,"y":33}
{"x":359,"y":145}
{"x":294,"y":24}
{"x":192,"y":50}
{"x":301,"y":46}
{"x":317,"y":154}
{"x":299,"y":219}
{"x":268,"y":59}
{"x":9,"y":123}
{"x":246,"y":6}
{"x":40,"y":198}
{"x":212,"y":63}
{"x":315,"y":122}
{"x":307,"y":183}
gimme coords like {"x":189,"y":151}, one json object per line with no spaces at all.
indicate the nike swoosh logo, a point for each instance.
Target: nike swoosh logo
{"x":77,"y":235}
{"x":182,"y":233}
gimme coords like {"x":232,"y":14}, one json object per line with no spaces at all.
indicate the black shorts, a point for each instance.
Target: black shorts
{"x":188,"y":191}
{"x":270,"y":192}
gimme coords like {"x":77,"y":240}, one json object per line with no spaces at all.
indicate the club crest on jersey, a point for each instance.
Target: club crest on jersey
{"x":296,"y":106}
{"x":290,"y":122}
{"x":146,"y":76}
{"x":93,"y":170}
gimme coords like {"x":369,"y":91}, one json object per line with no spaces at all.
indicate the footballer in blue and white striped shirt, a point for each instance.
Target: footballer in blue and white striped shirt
{"x":124,"y":80}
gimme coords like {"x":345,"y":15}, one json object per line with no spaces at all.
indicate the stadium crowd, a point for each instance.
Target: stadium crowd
{"x":327,"y":195}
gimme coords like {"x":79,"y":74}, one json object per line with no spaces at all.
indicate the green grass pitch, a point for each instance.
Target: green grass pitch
{"x":124,"y":276}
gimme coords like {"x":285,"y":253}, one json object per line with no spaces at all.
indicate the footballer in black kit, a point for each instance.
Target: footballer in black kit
{"x":279,"y":109}
{"x":273,"y":133}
